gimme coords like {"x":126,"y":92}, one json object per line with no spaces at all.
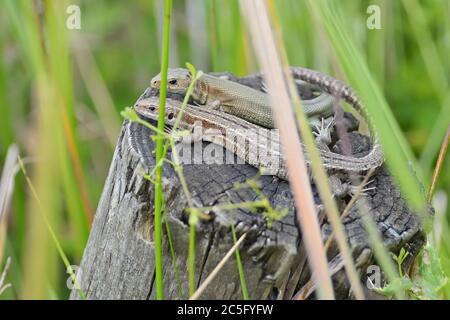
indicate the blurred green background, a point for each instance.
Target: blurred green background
{"x":61,"y":92}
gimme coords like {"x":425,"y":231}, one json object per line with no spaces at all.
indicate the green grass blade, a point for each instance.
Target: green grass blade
{"x":173,"y":254}
{"x":51,"y":231}
{"x":400,"y":159}
{"x":79,"y":207}
{"x":436,"y":73}
{"x":244,"y":289}
{"x":320,"y":175}
{"x":191,"y":256}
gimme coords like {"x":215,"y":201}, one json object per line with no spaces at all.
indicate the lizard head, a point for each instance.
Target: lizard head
{"x":149,"y":108}
{"x":178,"y":80}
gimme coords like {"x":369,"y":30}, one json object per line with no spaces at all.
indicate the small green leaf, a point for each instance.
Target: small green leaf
{"x":401,"y":284}
{"x":191,"y":68}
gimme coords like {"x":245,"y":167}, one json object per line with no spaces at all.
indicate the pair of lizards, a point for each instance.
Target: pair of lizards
{"x":230,"y":107}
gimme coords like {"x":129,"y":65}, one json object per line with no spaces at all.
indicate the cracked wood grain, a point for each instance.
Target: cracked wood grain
{"x":118,"y":261}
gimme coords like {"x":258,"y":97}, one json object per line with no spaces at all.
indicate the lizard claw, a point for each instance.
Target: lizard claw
{"x":341,"y":189}
{"x":323,"y":132}
{"x":362,"y":190}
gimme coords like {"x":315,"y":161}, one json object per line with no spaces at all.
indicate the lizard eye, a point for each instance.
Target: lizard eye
{"x":170,"y":116}
{"x":152,"y":108}
{"x":173,"y":82}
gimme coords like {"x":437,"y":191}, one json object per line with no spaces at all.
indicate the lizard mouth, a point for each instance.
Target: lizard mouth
{"x":168,"y":129}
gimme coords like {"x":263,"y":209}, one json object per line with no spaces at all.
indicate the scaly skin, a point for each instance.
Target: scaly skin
{"x":255,"y":106}
{"x":242,"y":101}
{"x":226,"y":126}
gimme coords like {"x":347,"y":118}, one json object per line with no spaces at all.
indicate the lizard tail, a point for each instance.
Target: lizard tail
{"x":337,"y":88}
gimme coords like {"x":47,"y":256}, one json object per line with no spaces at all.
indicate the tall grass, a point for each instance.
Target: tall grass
{"x":60,"y":103}
{"x":436,"y":74}
{"x":397,"y":152}
{"x":319,"y":173}
{"x":58,"y":164}
{"x":266,"y":52}
{"x":39,"y":255}
{"x":354,"y":67}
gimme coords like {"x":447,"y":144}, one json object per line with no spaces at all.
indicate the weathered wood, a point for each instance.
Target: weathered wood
{"x":118,"y":262}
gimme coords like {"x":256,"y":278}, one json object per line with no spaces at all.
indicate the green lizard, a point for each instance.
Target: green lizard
{"x":242,"y":101}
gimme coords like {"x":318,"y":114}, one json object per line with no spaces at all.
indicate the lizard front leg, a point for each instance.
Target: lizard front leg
{"x":214,"y":105}
{"x":338,"y":188}
{"x":323,"y":131}
{"x":342,"y":188}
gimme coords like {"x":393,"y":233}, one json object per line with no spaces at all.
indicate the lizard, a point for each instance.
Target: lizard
{"x":242,"y":101}
{"x":255,"y":106}
{"x":263,"y":149}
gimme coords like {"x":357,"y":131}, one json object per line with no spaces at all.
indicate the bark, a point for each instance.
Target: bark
{"x":118,"y":262}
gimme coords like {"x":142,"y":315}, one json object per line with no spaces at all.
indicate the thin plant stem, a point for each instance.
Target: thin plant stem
{"x":439,"y":163}
{"x":216,"y":270}
{"x":159,"y":154}
{"x":240,"y":267}
{"x":51,"y":231}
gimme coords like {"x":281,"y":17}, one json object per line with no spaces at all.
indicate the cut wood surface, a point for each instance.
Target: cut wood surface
{"x":118,"y":262}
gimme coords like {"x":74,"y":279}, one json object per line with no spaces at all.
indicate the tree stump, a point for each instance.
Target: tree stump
{"x":119,"y":263}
